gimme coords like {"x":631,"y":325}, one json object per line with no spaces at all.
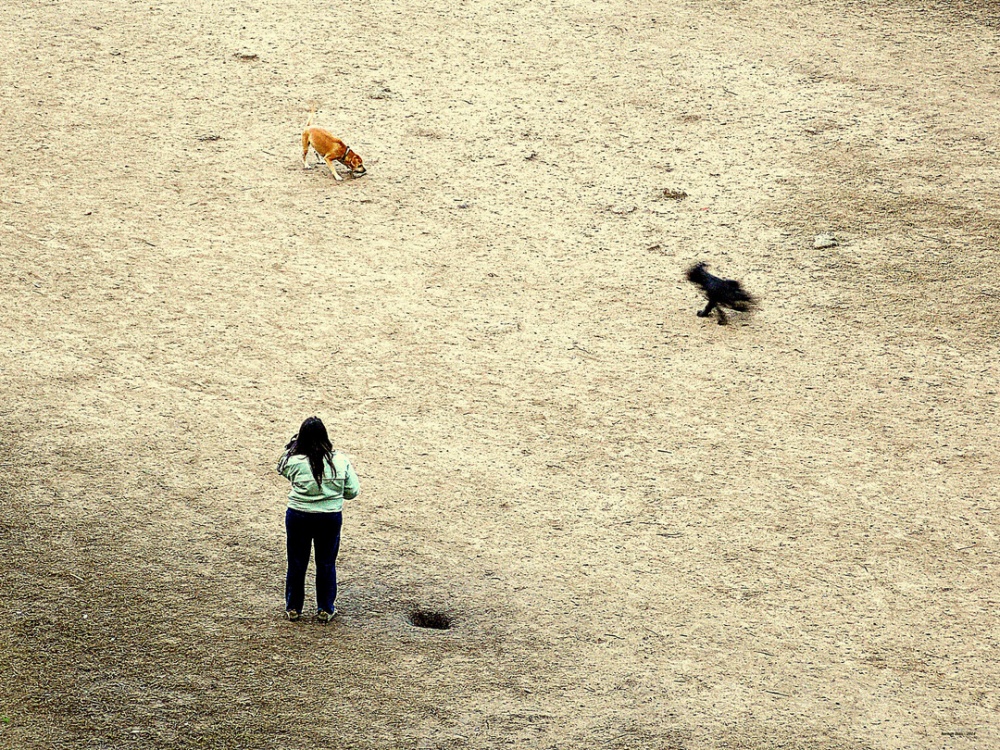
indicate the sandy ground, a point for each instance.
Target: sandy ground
{"x":649,"y":531}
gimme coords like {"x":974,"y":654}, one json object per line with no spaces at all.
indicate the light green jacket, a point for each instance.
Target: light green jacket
{"x":340,"y":482}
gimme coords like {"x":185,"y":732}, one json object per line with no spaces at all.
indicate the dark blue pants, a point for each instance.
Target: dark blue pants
{"x":303,"y":531}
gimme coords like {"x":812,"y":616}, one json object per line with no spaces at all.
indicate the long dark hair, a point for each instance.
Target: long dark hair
{"x":314,"y":443}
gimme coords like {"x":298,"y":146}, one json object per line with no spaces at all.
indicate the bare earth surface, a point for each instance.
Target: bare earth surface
{"x":650,"y":531}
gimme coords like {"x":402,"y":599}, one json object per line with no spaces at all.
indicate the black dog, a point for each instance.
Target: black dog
{"x":720,"y":292}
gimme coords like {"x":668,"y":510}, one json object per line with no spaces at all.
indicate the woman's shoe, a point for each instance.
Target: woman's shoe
{"x":325,"y":617}
{"x":292,"y":615}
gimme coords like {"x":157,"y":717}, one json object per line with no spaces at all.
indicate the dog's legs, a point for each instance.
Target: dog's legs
{"x":305,"y":150}
{"x":708,"y":309}
{"x":331,"y":163}
{"x":722,"y":316}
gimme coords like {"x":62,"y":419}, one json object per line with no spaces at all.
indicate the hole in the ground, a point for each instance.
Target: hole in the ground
{"x":425,"y":618}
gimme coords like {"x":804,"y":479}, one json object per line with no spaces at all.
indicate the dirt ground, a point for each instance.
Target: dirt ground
{"x":649,"y":530}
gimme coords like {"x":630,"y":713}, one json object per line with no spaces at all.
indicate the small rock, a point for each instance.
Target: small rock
{"x":825,"y":240}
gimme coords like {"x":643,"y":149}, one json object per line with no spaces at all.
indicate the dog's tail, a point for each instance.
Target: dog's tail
{"x":313,"y":106}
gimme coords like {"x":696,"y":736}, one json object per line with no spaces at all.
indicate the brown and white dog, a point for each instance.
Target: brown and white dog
{"x":331,"y":149}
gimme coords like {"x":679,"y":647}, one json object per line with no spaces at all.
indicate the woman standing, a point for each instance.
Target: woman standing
{"x":321,"y":480}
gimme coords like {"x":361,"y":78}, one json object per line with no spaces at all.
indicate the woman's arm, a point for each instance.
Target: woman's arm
{"x":351,"y":485}
{"x":285,"y":456}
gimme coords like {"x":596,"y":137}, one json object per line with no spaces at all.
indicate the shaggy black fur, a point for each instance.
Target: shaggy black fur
{"x":720,"y":292}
